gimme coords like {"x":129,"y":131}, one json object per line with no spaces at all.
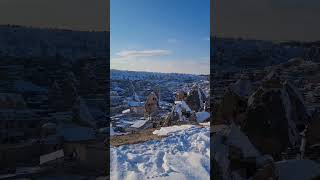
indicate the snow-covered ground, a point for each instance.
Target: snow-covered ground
{"x":183,"y":154}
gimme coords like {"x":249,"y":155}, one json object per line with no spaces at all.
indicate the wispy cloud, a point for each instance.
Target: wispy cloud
{"x":127,"y":54}
{"x":172,"y":40}
{"x":147,"y":60}
{"x":169,"y":66}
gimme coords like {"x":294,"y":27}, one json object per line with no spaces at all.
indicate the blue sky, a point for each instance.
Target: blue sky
{"x":160,"y":35}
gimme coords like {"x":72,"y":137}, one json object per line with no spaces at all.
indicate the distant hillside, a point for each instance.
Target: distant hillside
{"x":21,"y":41}
{"x":233,"y":54}
{"x":139,"y":75}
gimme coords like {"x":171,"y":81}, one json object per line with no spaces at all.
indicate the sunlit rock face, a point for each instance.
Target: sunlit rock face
{"x":196,"y":98}
{"x":151,"y":106}
{"x":181,"y":95}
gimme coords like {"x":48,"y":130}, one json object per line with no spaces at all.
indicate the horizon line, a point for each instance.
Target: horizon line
{"x":161,"y":72}
{"x":51,"y":28}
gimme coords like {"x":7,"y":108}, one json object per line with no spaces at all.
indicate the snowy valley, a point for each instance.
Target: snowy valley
{"x":160,"y":126}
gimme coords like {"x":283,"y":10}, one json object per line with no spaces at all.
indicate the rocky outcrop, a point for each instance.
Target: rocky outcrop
{"x":181,"y":113}
{"x":274,"y":115}
{"x":81,"y":113}
{"x":271,"y":117}
{"x":231,"y":109}
{"x":181,"y":96}
{"x":272,"y":80}
{"x":87,"y":79}
{"x":266,"y":123}
{"x":170,"y":119}
{"x":296,"y":108}
{"x":196,"y":98}
{"x":151,"y":105}
{"x":55,"y":96}
{"x":313,"y":133}
{"x":243,"y":87}
{"x":63,"y":93}
{"x":69,"y":90}
{"x":234,"y":157}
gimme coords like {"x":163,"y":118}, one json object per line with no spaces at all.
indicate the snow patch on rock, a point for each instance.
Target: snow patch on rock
{"x":138,"y":123}
{"x":163,"y":131}
{"x":202,"y":116}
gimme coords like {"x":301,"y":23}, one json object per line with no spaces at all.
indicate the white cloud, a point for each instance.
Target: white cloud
{"x":145,"y":60}
{"x":168,"y":66}
{"x":127,"y":54}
